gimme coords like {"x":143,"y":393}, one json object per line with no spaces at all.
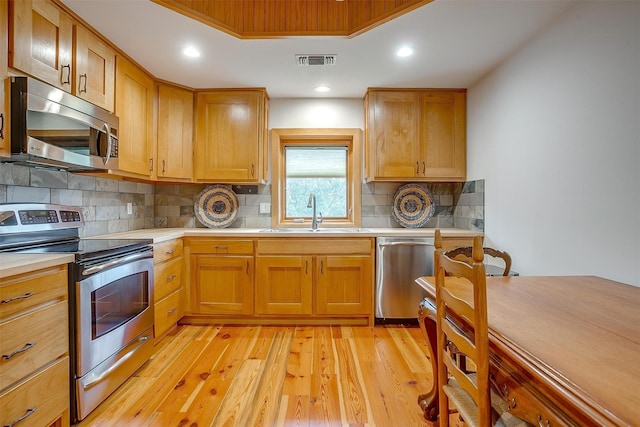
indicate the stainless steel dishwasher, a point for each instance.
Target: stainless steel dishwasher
{"x":399,"y":261}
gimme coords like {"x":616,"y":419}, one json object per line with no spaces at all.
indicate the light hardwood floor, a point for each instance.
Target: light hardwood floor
{"x":276,"y":376}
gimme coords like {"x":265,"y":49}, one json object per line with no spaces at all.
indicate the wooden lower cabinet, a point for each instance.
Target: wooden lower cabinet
{"x":280,"y":280}
{"x":344,"y":285}
{"x":284,"y":285}
{"x":326,"y":279}
{"x":168,"y":295}
{"x":222,"y":284}
{"x":34,"y":343}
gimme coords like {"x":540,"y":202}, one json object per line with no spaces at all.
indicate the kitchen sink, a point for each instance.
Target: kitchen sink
{"x":319,"y":230}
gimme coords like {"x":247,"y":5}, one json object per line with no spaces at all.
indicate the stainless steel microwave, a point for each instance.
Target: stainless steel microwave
{"x":52,"y":128}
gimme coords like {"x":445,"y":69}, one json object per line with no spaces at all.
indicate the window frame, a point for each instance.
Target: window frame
{"x":351,"y":138}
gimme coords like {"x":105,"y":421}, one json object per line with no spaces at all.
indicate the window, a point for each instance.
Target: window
{"x":325,"y":162}
{"x":321,"y":170}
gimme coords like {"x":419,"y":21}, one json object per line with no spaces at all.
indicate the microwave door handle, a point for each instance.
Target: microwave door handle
{"x":108,"y":156}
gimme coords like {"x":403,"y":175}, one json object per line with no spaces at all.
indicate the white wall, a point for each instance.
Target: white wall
{"x":316,"y":113}
{"x":555,"y":133}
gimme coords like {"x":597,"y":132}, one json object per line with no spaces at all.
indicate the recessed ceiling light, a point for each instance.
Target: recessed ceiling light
{"x":403,"y":52}
{"x":191,"y":52}
{"x":322,"y":89}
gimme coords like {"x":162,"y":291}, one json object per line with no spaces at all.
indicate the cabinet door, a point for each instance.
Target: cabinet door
{"x":4,"y":91}
{"x":393,"y":134}
{"x":443,"y":135}
{"x":175,"y":133}
{"x":94,"y":76}
{"x":41,"y":42}
{"x":229,"y":136}
{"x":345,"y":285}
{"x":284,"y":284}
{"x":134,"y":107}
{"x":222,"y":284}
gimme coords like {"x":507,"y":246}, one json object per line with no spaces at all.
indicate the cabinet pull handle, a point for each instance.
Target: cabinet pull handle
{"x":25,"y":296}
{"x":424,"y":167}
{"x":221,"y":247}
{"x":163,"y":167}
{"x":306,"y":267}
{"x":417,"y":168}
{"x":68,"y":81}
{"x":247,"y":268}
{"x":170,"y":251}
{"x":27,"y":346}
{"x":17,"y":420}
{"x":151,"y":164}
{"x":80,"y":88}
{"x":173,"y":310}
{"x":170,"y":278}
{"x":321,"y":267}
{"x":252,"y":171}
{"x":1,"y":126}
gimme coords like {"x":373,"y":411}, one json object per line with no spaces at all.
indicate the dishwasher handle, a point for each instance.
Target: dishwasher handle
{"x":385,"y":245}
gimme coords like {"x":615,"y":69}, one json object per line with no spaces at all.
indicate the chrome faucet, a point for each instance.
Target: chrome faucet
{"x":314,"y":218}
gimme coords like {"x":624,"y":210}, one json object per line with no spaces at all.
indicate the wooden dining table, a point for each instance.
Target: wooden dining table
{"x":565,"y":350}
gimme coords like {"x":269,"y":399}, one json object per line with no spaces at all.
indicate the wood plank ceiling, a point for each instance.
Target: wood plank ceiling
{"x":255,"y":19}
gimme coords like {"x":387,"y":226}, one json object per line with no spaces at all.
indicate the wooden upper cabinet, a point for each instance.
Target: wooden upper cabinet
{"x":41,"y":42}
{"x":230,"y":136}
{"x":175,"y":133}
{"x":443,"y":134}
{"x":134,"y":107}
{"x":393,"y":133}
{"x":4,"y":81}
{"x":416,"y":135}
{"x":94,"y":69}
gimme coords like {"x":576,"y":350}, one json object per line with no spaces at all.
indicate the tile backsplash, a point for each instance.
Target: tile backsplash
{"x":104,"y":201}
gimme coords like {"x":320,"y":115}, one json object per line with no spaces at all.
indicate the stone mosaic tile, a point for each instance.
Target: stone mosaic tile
{"x":17,"y":194}
{"x":82,"y":182}
{"x":3,"y":194}
{"x":118,"y":225}
{"x":14,"y":174}
{"x":103,"y":184}
{"x":48,"y":178}
{"x":66,"y":197}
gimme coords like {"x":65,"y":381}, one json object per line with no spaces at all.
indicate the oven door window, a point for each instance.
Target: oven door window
{"x":118,"y":302}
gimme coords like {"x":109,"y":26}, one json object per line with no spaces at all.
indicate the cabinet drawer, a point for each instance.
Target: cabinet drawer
{"x":218,"y":246}
{"x":167,"y":250}
{"x":41,"y":334}
{"x":24,"y":291}
{"x":167,"y":278}
{"x":167,"y":312}
{"x":47,"y":391}
{"x":315,"y":246}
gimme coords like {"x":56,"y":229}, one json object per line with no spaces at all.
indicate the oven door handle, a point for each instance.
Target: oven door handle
{"x":97,"y":378}
{"x":125,"y":260}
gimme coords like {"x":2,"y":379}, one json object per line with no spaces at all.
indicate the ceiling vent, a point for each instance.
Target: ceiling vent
{"x":305,"y":60}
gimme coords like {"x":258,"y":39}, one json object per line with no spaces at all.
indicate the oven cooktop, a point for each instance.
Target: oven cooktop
{"x":49,"y":228}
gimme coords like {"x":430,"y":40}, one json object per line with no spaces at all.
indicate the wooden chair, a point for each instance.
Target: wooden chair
{"x":469,"y":393}
{"x":464,"y":253}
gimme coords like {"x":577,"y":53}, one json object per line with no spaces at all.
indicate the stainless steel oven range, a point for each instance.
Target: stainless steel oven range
{"x":110,"y":296}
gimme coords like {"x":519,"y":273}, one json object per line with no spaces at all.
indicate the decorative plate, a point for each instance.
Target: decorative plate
{"x":216,"y":206}
{"x":412,"y":206}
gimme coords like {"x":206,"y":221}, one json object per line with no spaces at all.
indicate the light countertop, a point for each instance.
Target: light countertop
{"x":13,"y":264}
{"x":164,"y":234}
